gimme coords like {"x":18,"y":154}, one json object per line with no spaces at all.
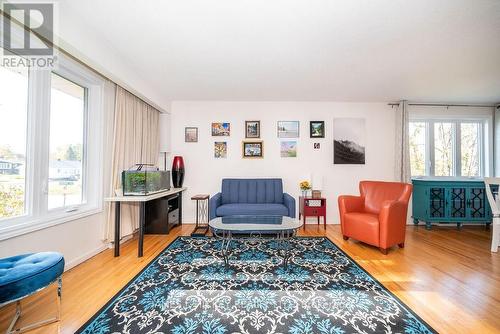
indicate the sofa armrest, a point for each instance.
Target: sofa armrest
{"x":214,"y":202}
{"x":289,"y":202}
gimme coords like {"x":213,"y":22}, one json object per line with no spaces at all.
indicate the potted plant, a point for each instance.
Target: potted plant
{"x":305,"y":186}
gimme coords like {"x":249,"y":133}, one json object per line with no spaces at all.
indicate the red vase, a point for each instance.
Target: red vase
{"x":178,"y":172}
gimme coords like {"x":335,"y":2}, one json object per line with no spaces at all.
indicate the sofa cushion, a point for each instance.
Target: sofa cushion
{"x":252,"y":209}
{"x":24,"y":274}
{"x":252,"y":191}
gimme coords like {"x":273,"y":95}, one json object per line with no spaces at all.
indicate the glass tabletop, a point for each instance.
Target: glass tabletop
{"x":255,"y":223}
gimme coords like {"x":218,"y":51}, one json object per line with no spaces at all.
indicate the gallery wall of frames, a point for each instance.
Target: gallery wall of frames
{"x":337,"y":143}
{"x":348,"y":148}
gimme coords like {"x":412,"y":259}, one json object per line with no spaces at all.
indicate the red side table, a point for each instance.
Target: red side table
{"x":312,"y":207}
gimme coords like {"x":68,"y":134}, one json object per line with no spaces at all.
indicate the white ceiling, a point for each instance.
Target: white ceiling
{"x":351,"y":50}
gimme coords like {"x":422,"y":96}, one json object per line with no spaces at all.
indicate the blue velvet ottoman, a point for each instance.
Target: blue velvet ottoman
{"x":23,"y":275}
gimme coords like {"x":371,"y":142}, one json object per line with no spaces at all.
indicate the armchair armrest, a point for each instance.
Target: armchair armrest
{"x":392,"y":219}
{"x":289,"y":202}
{"x":214,"y":202}
{"x":349,"y":203}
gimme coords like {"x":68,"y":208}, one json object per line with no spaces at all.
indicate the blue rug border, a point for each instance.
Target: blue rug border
{"x":109,"y":302}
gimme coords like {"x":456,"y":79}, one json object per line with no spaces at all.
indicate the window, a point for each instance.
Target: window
{"x":67,"y":114}
{"x":13,"y":124}
{"x":443,"y":148}
{"x":448,"y":147}
{"x":51,"y":138}
{"x":471,"y":149}
{"x":417,"y":147}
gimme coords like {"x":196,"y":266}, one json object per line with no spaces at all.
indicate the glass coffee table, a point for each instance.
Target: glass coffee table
{"x":254,"y":229}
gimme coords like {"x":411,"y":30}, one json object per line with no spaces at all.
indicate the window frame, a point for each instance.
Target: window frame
{"x":37,"y":214}
{"x":63,"y":74}
{"x":485,"y":143}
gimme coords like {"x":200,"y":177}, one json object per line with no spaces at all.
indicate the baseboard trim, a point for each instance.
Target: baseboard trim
{"x":88,"y":255}
{"x":122,"y":240}
{"x":73,"y":263}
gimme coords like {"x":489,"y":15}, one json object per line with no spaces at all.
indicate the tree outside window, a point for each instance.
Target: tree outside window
{"x":456,"y":147}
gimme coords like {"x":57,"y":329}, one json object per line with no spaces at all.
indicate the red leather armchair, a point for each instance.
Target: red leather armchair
{"x":378,"y":216}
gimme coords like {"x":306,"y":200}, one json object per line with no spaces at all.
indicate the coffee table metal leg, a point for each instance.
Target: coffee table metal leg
{"x":282,"y":238}
{"x":228,"y":250}
{"x":286,"y":240}
{"x":226,"y":246}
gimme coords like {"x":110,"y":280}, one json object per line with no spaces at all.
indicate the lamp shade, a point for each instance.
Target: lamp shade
{"x":317,"y":182}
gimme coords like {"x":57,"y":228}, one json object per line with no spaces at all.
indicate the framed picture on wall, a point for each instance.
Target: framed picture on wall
{"x":317,"y":129}
{"x":252,"y":129}
{"x":221,"y":129}
{"x":191,"y":135}
{"x":349,"y":141}
{"x":220,"y":149}
{"x":288,"y":129}
{"x":253,"y":149}
{"x":288,"y":149}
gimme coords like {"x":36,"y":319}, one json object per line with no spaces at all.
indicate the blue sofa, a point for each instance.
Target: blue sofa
{"x":252,"y":197}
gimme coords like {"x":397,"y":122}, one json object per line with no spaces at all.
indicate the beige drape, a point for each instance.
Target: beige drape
{"x":136,"y":139}
{"x":402,"y":141}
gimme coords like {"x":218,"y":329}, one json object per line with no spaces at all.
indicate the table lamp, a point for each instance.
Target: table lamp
{"x":317,"y":185}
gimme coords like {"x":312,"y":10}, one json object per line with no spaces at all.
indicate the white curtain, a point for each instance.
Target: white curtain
{"x":109,"y":96}
{"x":136,"y":139}
{"x":496,"y":141}
{"x":403,"y":168}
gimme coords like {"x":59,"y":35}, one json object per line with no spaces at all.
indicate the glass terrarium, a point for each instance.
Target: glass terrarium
{"x":144,"y":180}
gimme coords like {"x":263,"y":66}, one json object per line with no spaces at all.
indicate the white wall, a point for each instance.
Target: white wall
{"x":204,"y":172}
{"x":77,"y":240}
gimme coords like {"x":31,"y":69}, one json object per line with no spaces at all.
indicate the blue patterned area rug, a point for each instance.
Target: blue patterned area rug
{"x":187,"y":290}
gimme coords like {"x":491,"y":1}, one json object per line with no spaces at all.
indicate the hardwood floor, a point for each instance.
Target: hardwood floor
{"x":446,"y":276}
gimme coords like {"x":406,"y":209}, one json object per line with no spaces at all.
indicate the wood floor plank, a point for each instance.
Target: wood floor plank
{"x":448,"y":277}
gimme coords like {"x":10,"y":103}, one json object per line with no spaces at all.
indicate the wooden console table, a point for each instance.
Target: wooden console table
{"x":142,"y":213}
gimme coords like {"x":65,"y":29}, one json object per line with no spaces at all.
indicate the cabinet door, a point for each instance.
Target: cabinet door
{"x":437,"y":207}
{"x":457,"y":202}
{"x":476,"y":203}
{"x":420,"y":201}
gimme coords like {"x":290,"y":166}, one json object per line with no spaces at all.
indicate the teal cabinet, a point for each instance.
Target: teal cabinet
{"x":450,"y":200}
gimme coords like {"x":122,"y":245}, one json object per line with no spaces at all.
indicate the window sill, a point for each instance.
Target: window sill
{"x":32,"y":225}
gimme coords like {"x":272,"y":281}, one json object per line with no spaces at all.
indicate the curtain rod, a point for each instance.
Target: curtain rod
{"x":444,"y":105}
{"x":51,"y":43}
